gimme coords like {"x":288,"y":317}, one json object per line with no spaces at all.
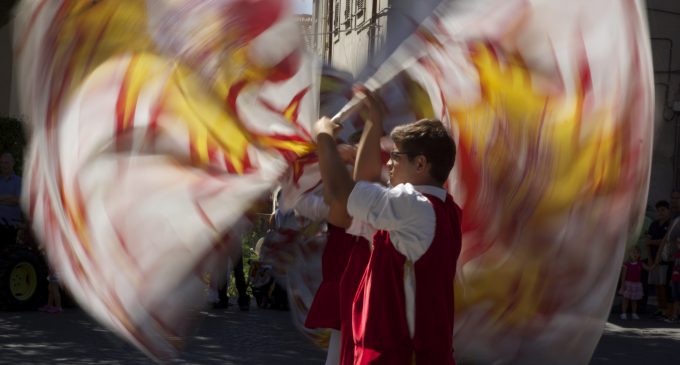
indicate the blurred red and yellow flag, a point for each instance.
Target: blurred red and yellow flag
{"x":155,"y":125}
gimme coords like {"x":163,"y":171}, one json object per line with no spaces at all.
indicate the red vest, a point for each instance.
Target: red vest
{"x":349,"y":283}
{"x":379,"y":324}
{"x":325,"y":309}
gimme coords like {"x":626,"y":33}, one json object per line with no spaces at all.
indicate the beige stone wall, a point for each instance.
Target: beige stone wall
{"x":320,"y":28}
{"x":352,"y":43}
{"x":358,"y":38}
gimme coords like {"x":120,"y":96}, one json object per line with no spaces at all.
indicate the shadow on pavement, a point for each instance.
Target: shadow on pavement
{"x":263,"y":337}
{"x":223,"y":337}
{"x":635,"y":342}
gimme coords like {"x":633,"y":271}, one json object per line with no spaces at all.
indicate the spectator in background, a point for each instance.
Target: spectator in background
{"x":655,"y":235}
{"x":10,"y":191}
{"x":53,"y":295}
{"x":631,"y":286}
{"x":241,"y":287}
{"x":220,"y":281}
{"x":644,"y":256}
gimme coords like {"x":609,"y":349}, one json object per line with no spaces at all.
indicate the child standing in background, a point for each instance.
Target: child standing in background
{"x":631,"y":285}
{"x":53,"y":295}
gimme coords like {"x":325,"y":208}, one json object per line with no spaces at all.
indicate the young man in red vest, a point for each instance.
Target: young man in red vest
{"x":403,"y":308}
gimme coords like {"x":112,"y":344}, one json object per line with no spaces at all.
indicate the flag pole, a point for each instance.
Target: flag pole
{"x":361,"y":93}
{"x":352,"y":107}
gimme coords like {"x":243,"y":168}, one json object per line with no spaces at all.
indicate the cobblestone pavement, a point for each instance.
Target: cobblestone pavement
{"x":263,"y":337}
{"x":224,"y":337}
{"x":637,"y":342}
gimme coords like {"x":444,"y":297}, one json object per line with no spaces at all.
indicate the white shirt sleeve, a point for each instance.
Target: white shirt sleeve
{"x":311,"y":206}
{"x":402,"y":211}
{"x":361,"y":229}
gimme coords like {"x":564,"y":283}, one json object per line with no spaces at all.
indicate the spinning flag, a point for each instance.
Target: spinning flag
{"x":550,"y":103}
{"x":154,"y":126}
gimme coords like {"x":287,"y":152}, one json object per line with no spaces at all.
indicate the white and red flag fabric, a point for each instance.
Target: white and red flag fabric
{"x":551,"y":106}
{"x":154,"y":127}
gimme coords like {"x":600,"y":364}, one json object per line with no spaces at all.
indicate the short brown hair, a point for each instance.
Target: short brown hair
{"x":429,"y":138}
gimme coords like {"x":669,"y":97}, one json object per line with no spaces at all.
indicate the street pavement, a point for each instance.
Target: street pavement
{"x":224,"y":336}
{"x":263,"y":337}
{"x":638,"y":342}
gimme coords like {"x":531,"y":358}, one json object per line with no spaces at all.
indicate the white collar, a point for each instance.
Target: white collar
{"x":432,"y":190}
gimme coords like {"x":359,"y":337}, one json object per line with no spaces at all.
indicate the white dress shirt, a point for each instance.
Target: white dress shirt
{"x":409,"y":218}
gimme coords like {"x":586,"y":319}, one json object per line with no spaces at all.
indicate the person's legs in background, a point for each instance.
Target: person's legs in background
{"x":223,"y":298}
{"x":239,"y":278}
{"x":642,"y":304}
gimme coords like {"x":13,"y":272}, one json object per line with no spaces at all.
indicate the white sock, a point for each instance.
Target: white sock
{"x":333,"y":356}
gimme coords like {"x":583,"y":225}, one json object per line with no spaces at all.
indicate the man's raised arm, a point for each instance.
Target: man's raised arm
{"x":337,"y":182}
